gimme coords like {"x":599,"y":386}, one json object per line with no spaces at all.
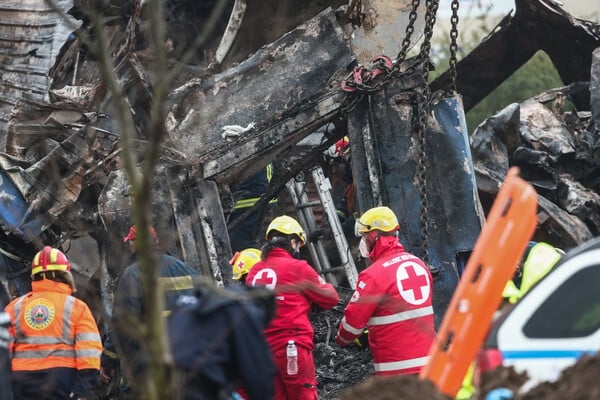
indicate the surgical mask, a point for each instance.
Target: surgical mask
{"x":296,"y":251}
{"x":363,"y":248}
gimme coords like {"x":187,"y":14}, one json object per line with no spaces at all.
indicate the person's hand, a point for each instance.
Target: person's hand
{"x":363,"y":340}
{"x":106,"y":374}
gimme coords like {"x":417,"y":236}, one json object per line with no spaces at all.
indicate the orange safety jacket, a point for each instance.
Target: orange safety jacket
{"x":51,"y":329}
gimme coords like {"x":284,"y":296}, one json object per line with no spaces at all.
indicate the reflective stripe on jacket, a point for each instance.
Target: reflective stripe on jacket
{"x":393,"y":299}
{"x":52,"y":329}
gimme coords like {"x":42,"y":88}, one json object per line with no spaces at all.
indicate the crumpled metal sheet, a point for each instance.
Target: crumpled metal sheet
{"x":276,"y":93}
{"x":36,"y":35}
{"x":48,"y":153}
{"x":554,"y":159}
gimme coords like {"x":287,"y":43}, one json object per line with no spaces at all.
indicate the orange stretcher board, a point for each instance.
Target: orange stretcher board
{"x":509,"y":227}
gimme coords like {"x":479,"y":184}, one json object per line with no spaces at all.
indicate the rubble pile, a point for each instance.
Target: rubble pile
{"x":557,"y":151}
{"x":63,"y":184}
{"x":337,"y":368}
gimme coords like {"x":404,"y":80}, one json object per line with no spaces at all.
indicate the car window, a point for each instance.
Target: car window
{"x":572,"y":310}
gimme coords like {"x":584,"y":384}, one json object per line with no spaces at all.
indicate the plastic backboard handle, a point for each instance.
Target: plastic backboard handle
{"x":498,"y":249}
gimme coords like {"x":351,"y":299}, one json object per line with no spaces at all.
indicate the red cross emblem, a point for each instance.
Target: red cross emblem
{"x":266,"y":277}
{"x":413,"y":282}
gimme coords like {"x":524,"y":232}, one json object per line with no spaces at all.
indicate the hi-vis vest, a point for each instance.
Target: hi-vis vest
{"x":540,"y":261}
{"x":249,"y":202}
{"x":50,"y":329}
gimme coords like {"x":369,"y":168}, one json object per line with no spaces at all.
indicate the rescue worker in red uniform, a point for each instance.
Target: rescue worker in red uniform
{"x":392,"y":299}
{"x":297,"y":286}
{"x":55,"y":346}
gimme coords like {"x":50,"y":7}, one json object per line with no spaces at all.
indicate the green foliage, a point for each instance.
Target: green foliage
{"x":535,"y":77}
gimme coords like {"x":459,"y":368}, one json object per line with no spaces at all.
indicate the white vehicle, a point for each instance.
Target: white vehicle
{"x":554,"y":324}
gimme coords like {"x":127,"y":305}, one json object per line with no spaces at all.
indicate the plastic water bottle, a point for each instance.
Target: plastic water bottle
{"x":292,"y":358}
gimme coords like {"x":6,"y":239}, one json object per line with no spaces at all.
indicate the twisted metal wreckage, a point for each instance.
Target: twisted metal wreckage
{"x":62,"y":185}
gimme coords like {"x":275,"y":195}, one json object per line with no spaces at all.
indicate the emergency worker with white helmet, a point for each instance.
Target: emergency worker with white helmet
{"x":297,"y":286}
{"x":56,"y":345}
{"x":392,"y":299}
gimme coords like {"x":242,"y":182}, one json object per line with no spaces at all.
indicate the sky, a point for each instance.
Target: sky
{"x":586,"y":9}
{"x":477,"y":7}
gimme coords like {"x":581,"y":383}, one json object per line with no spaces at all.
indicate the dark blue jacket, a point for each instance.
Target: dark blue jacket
{"x":176,"y":277}
{"x":217,"y":342}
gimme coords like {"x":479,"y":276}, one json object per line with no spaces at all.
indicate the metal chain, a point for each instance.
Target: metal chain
{"x":453,"y":45}
{"x":423,"y":98}
{"x":354,"y":14}
{"x":410,"y":29}
{"x":367,"y":84}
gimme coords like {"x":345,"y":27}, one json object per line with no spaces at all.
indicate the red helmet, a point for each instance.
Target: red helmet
{"x":49,"y":259}
{"x":132,"y":235}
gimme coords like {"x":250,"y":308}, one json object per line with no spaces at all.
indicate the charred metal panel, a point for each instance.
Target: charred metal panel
{"x":552,"y":159}
{"x":200,"y":224}
{"x":536,"y":25}
{"x":31,"y":36}
{"x":187,"y":215}
{"x":280,"y":95}
{"x":50,"y":152}
{"x":381,"y":127}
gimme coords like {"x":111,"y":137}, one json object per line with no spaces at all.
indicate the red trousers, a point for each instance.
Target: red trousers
{"x":302,"y":386}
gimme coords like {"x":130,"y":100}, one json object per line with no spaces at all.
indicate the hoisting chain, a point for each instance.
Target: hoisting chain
{"x":354,"y":14}
{"x":382,"y":70}
{"x":453,"y":45}
{"x":423,"y":99}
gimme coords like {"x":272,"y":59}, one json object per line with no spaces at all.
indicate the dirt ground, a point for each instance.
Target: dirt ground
{"x":578,"y":382}
{"x":346,"y":373}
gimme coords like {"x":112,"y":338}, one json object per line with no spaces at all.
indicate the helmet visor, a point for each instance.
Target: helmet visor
{"x":357,"y":227}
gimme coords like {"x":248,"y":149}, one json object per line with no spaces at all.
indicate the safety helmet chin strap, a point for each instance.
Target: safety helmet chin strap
{"x":379,"y":233}
{"x":371,"y":242}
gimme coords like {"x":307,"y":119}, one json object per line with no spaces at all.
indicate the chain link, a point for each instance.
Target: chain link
{"x":410,"y":29}
{"x":354,"y":14}
{"x":357,"y":90}
{"x":422,"y":107}
{"x":453,"y":45}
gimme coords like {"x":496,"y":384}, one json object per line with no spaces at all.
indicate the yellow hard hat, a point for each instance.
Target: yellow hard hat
{"x":242,"y":261}
{"x":286,"y":225}
{"x":377,"y":218}
{"x":49,"y":259}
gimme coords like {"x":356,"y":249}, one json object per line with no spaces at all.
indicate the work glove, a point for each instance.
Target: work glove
{"x":363,"y":340}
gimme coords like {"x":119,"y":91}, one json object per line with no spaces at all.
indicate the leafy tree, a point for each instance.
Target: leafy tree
{"x":536,"y":76}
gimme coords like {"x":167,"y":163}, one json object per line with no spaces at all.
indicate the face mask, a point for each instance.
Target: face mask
{"x":296,"y":252}
{"x":362,"y":247}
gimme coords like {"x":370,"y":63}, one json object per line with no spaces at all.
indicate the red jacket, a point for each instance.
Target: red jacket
{"x":393,"y":300}
{"x":297,"y":286}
